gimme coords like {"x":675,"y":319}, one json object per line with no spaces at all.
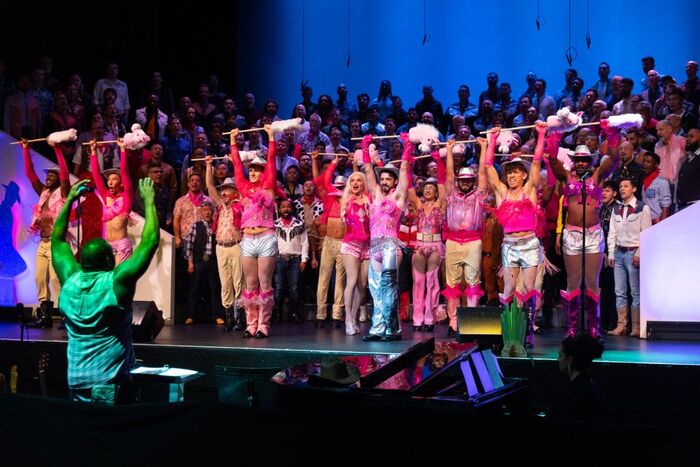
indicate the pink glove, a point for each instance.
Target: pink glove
{"x":366,"y":140}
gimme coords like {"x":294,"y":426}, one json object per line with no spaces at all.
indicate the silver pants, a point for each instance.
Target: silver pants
{"x":384,"y":287}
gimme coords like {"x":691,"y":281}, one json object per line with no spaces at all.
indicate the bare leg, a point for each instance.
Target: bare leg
{"x":353,"y":266}
{"x":573,"y":272}
{"x":510,"y":280}
{"x":250,"y":271}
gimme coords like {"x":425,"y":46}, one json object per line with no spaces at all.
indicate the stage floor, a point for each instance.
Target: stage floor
{"x":301,"y":338}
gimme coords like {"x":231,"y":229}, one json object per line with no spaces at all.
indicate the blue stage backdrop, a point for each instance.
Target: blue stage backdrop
{"x":282,"y":42}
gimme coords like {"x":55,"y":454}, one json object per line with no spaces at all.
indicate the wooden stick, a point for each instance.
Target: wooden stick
{"x":419,"y":157}
{"x":328,"y":154}
{"x":111,"y":141}
{"x":377,"y":137}
{"x":444,"y":143}
{"x":31,"y":140}
{"x":524,"y":127}
{"x":249,"y":130}
{"x":204,"y":158}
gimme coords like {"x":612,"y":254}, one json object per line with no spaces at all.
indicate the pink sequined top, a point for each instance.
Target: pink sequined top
{"x":121,"y":204}
{"x":574,"y":187}
{"x":517,"y":215}
{"x":357,"y":222}
{"x":384,"y":219}
{"x":256,"y":198}
{"x":465,"y":216}
{"x":258,"y":210}
{"x":430,"y":223}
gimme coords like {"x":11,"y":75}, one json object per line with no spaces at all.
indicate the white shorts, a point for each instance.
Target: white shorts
{"x":572,"y":240}
{"x":523,"y":253}
{"x":259,"y":246}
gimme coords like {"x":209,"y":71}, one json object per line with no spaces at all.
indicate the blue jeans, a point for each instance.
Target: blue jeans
{"x":626,"y":273}
{"x":287,"y":281}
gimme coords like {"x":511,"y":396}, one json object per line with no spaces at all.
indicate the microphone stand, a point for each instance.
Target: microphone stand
{"x":582,"y":287}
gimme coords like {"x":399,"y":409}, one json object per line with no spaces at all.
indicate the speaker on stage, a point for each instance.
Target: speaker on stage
{"x":481,"y":324}
{"x":147,"y":321}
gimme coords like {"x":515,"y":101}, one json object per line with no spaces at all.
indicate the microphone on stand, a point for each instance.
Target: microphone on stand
{"x":585,"y":175}
{"x":83,"y":190}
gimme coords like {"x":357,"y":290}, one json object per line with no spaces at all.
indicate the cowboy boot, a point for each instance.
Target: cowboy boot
{"x":622,"y":320}
{"x":635,"y":322}
{"x":569,"y":302}
{"x":267,"y":302}
{"x":473,"y":293}
{"x":404,"y":304}
{"x":418,"y":300}
{"x":239,"y":316}
{"x":452,"y":294}
{"x":251,"y":302}
{"x":592,"y":314}
{"x":228,"y":318}
{"x":529,"y":303}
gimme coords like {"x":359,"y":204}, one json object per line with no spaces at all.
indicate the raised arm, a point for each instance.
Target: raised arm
{"x":127,"y":185}
{"x":612,"y":136}
{"x":29,"y":169}
{"x":534,"y":176}
{"x":404,"y":173}
{"x":63,"y":174}
{"x":482,"y":179}
{"x":450,"y":168}
{"x":491,"y":173}
{"x":209,"y":182}
{"x":238,"y":171}
{"x":270,"y":175}
{"x":556,"y":165}
{"x":372,"y":185}
{"x":96,"y":174}
{"x":64,"y":262}
{"x":128,"y":272}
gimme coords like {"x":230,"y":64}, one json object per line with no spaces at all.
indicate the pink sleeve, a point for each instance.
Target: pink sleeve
{"x":297,"y":151}
{"x":551,"y":179}
{"x":490,"y":151}
{"x":29,"y":166}
{"x":126,"y":182}
{"x":328,"y":176}
{"x":553,"y":143}
{"x":539,"y":148}
{"x":97,"y":177}
{"x":63,"y":173}
{"x":238,"y":170}
{"x":270,"y":180}
{"x":441,"y":169}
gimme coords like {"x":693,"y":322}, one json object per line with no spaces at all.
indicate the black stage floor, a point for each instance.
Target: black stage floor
{"x":651,"y":376}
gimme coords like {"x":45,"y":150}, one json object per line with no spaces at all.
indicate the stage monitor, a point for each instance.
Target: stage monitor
{"x":481,"y":324}
{"x":147,"y":321}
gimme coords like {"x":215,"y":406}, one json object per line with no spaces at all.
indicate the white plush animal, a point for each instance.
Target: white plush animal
{"x":424,"y":136}
{"x":564,"y":120}
{"x":248,"y":155}
{"x":505,"y":139}
{"x":58,"y":137}
{"x":280,"y":125}
{"x":136,"y":139}
{"x":625,"y":121}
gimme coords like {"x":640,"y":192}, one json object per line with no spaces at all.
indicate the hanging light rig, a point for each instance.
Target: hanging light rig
{"x":348,"y":56}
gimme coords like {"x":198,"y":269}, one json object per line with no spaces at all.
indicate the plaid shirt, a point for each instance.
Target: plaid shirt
{"x":189,"y":252}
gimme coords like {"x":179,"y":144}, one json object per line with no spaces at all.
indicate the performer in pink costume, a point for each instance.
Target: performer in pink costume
{"x":52,"y":196}
{"x":464,"y":225}
{"x":429,"y":250}
{"x":389,"y":191}
{"x":516,"y":210}
{"x":584,"y":177}
{"x":354,"y":211}
{"x":117,"y":198}
{"x":259,"y":244}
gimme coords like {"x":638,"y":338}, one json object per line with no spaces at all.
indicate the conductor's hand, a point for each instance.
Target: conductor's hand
{"x":146,"y":190}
